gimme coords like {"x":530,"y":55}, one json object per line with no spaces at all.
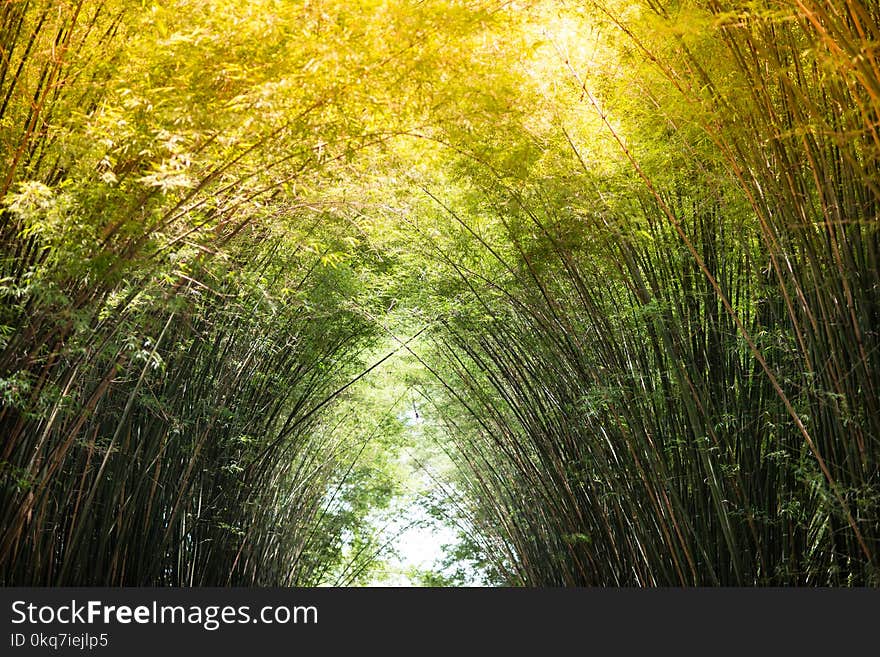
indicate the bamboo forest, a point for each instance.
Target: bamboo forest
{"x":557,"y":293}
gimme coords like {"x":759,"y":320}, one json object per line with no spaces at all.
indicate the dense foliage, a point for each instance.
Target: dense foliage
{"x":624,"y":254}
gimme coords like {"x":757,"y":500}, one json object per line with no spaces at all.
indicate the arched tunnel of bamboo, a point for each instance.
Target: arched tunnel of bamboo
{"x":451,"y":292}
